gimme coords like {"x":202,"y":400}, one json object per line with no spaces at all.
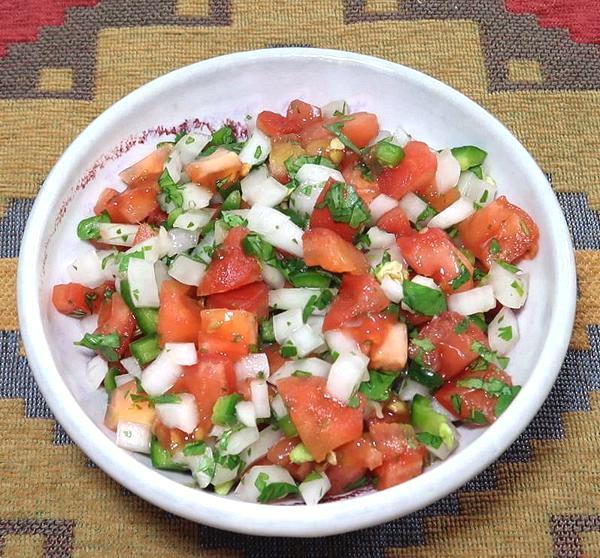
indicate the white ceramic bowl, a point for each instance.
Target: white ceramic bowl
{"x":231,"y":87}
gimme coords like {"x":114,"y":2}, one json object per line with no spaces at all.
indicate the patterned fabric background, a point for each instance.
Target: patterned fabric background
{"x":533,"y":63}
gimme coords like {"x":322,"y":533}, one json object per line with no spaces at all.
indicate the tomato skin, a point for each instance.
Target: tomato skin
{"x":360,"y":128}
{"x":275,"y":125}
{"x":472,"y":399}
{"x":513,"y":229}
{"x":157,"y":217}
{"x":326,"y":248}
{"x":395,"y":221}
{"x":179,"y":315}
{"x":358,"y":295}
{"x":230,"y":267}
{"x":72,"y":299}
{"x":147,"y":170}
{"x":301,"y":113}
{"x":399,"y":470}
{"x":279,"y":455}
{"x":209,"y":379}
{"x":227,"y":332}
{"x":115,"y":316}
{"x":105,"y":196}
{"x":366,"y":189}
{"x":145,"y":232}
{"x":323,"y":423}
{"x":430,"y":252}
{"x":415,"y":171}
{"x":221,"y":167}
{"x":281,"y":151}
{"x":452,"y":352}
{"x":252,"y":298}
{"x":354,"y":460}
{"x":322,"y":218}
{"x":438,"y":201}
{"x":276,"y":361}
{"x":134,"y":204}
{"x":369,"y":329}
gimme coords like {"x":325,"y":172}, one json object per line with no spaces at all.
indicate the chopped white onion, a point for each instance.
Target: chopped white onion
{"x":447,"y":172}
{"x":304,"y":198}
{"x":245,"y":413}
{"x":329,"y":110}
{"x":133,"y":436}
{"x":339,"y":342}
{"x":267,"y":191}
{"x":313,"y":490}
{"x":194,"y":196}
{"x":309,"y":173}
{"x":184,"y":354}
{"x":413,"y":206}
{"x":278,"y":406}
{"x":276,"y":228}
{"x":503,"y":332}
{"x":123,"y":379}
{"x":305,"y":340}
{"x":182,"y":240}
{"x":221,"y":230}
{"x":286,"y":323}
{"x":273,"y":277}
{"x":87,"y":270}
{"x":190,"y":146}
{"x":187,"y":270}
{"x":316,"y":323}
{"x":161,"y":272}
{"x":426,"y":282}
{"x":345,"y":374}
{"x":478,"y":191}
{"x":132,"y":366}
{"x":174,"y":166}
{"x":380,"y":205}
{"x":380,"y":239}
{"x":259,"y":393}
{"x":453,"y":214}
{"x":240,"y":440}
{"x":183,"y":414}
{"x":401,"y":137}
{"x":223,"y":474}
{"x":255,"y":365}
{"x":96,"y":370}
{"x":313,"y":365}
{"x":443,"y":451}
{"x":194,"y":219}
{"x":392,"y":289}
{"x":289,"y":298}
{"x":510,"y":289}
{"x":160,"y":375}
{"x":117,"y":234}
{"x":142,"y":283}
{"x":473,"y":301}
{"x":412,"y":388}
{"x":257,"y":148}
{"x":267,"y":438}
{"x":246,"y":489}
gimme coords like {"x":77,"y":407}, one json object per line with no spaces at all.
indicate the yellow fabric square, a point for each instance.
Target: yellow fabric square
{"x":192,"y":8}
{"x":56,"y":79}
{"x":24,"y":546}
{"x":382,"y":6}
{"x":590,"y":543}
{"x":8,"y":304}
{"x":528,"y":71}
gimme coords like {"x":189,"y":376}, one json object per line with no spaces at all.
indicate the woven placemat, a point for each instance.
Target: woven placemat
{"x":534,"y":64}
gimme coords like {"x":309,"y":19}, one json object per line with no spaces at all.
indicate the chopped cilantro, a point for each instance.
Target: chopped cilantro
{"x":494,"y":247}
{"x":378,"y":387}
{"x":429,"y":439}
{"x":422,"y":299}
{"x":336,"y":129}
{"x":345,"y":205}
{"x":461,"y":278}
{"x":105,"y":345}
{"x":505,"y":333}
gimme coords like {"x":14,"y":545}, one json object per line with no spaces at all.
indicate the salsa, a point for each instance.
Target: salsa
{"x":302,"y":310}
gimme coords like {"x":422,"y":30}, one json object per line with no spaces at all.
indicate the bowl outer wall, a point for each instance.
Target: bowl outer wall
{"x":300,"y":521}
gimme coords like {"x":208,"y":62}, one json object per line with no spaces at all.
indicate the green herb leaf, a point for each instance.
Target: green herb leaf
{"x":456,"y":402}
{"x":110,"y":383}
{"x":345,"y":205}
{"x":232,"y":201}
{"x":165,"y":398}
{"x":462,"y":326}
{"x":489,"y":355}
{"x":505,"y":333}
{"x":461,"y":278}
{"x":518,"y":287}
{"x":429,"y":439}
{"x":288,"y":350}
{"x":378,"y":387}
{"x":232,"y":220}
{"x":336,"y":129}
{"x":223,"y":136}
{"x":195,"y":448}
{"x":104,"y":345}
{"x":301,"y":374}
{"x":477,"y":417}
{"x":494,"y":247}
{"x":88,"y":228}
{"x":319,"y":302}
{"x":388,"y":154}
{"x":276,"y":491}
{"x":508,"y":266}
{"x":505,"y":400}
{"x":169,"y":187}
{"x":425,"y":376}
{"x":293,"y":164}
{"x":424,"y":344}
{"x":362,"y":481}
{"x":224,"y":409}
{"x":424,"y":300}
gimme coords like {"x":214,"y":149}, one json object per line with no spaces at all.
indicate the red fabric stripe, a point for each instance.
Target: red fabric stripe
{"x":580,"y":17}
{"x":21,"y":21}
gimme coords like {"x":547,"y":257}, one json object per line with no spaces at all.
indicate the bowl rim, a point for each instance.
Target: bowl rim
{"x":276,"y":520}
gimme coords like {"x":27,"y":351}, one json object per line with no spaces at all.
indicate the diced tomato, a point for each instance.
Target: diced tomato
{"x":322,"y":218}
{"x":430,"y":252}
{"x":276,"y":361}
{"x":208,"y":380}
{"x":144,"y":232}
{"x":358,"y":295}
{"x":221,"y":168}
{"x":174,"y":439}
{"x":227,"y":332}
{"x":134,"y":204}
{"x":253,"y":298}
{"x":281,"y":151}
{"x":279,"y":454}
{"x":354,"y":460}
{"x":302,"y":113}
{"x":73,"y":299}
{"x":230,"y":267}
{"x":179,"y":315}
{"x":157,"y":217}
{"x":391,"y":352}
{"x":276,"y":125}
{"x":453,"y":350}
{"x":369,"y":329}
{"x":515,"y":233}
{"x":360,"y":128}
{"x":366,"y":189}
{"x":148,"y":170}
{"x":438,"y":201}
{"x":469,"y":404}
{"x":101,"y":293}
{"x":102,"y":203}
{"x":415,"y":171}
{"x":121,"y":407}
{"x":403,"y":455}
{"x":325,"y":248}
{"x":395,"y":221}
{"x":115,"y":316}
{"x":323,"y":423}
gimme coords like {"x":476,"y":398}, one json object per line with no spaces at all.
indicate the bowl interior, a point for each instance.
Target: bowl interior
{"x":228,"y":89}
